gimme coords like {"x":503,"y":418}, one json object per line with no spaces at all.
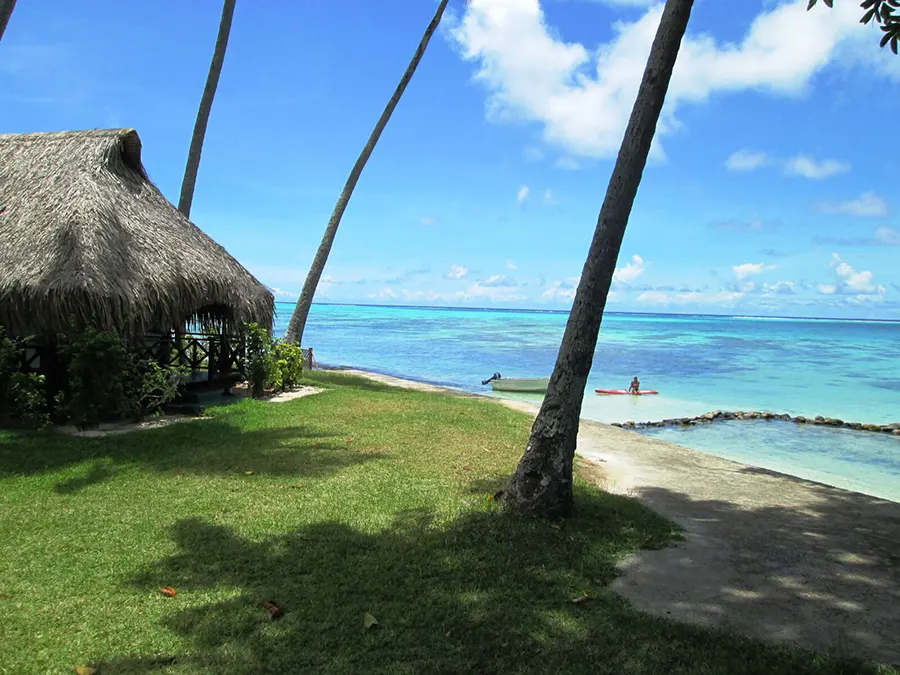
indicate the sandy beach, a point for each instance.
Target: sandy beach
{"x":767,"y":555}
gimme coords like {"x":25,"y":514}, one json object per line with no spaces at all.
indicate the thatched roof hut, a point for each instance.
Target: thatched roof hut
{"x":85,"y":235}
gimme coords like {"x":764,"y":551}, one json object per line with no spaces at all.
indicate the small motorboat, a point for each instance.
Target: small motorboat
{"x":525,"y":385}
{"x":639,"y":392}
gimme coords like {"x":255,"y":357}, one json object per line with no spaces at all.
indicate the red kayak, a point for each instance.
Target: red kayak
{"x":640,"y":392}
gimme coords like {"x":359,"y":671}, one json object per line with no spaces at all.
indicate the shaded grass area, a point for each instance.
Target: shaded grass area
{"x":363,"y":499}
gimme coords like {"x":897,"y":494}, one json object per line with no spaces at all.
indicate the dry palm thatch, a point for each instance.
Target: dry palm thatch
{"x":86,"y":236}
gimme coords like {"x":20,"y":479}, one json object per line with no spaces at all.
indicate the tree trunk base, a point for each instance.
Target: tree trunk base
{"x":542,"y":484}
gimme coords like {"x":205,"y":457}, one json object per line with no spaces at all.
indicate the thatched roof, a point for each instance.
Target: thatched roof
{"x":85,"y":234}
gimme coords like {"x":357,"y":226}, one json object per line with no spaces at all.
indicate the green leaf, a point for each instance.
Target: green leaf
{"x":369,"y":621}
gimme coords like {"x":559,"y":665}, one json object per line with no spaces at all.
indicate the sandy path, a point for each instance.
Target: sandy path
{"x":766,"y":554}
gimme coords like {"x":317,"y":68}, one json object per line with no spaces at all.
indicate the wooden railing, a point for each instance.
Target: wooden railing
{"x":197,"y":353}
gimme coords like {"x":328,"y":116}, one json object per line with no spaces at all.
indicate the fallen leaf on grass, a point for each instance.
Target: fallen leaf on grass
{"x":168,"y":591}
{"x":274,"y":610}
{"x":349,"y":440}
{"x":85,"y":670}
{"x":297,"y":486}
{"x":467,"y":467}
{"x":369,"y":621}
{"x":581,"y":600}
{"x":3,"y":596}
{"x":249,"y":473}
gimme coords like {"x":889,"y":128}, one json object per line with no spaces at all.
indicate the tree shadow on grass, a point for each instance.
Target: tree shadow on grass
{"x":217,"y":446}
{"x":485,"y":593}
{"x":824,"y":573}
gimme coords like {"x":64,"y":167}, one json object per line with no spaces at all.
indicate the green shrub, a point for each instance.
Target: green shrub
{"x":108,"y":380}
{"x":149,"y":386}
{"x":289,"y":358}
{"x":23,"y":397}
{"x":98,"y":364}
{"x":28,"y":400}
{"x":271,"y":363}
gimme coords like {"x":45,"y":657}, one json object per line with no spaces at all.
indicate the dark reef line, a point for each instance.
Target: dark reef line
{"x":718,"y":415}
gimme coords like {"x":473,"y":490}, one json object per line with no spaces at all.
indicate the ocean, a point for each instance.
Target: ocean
{"x":834,"y":368}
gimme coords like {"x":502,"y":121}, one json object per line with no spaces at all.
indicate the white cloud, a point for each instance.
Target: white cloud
{"x":778,"y":288}
{"x":386,"y":293}
{"x":511,"y":265}
{"x":478,"y":291}
{"x":654,"y":298}
{"x":632,"y":270}
{"x":888,"y":235}
{"x":746,"y":160}
{"x":428,"y":221}
{"x":749,"y":269}
{"x":475,"y":292}
{"x":722,"y":298}
{"x":802,"y":165}
{"x":582,"y":96}
{"x":558,"y":291}
{"x":548,"y":196}
{"x":521,"y":196}
{"x":869,"y":205}
{"x":281,"y":293}
{"x":498,"y":280}
{"x":827,"y":289}
{"x":456,"y":272}
{"x":853,"y":282}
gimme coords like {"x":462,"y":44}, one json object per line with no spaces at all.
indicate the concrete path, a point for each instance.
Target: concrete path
{"x":767,"y":555}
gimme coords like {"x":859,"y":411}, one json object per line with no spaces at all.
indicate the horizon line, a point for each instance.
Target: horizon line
{"x":566,"y":311}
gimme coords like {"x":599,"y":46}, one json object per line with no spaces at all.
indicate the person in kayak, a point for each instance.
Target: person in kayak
{"x":635,"y":386}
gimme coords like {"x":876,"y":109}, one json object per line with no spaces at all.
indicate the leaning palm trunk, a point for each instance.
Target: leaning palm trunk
{"x":209,"y":93}
{"x":189,"y":181}
{"x":6,"y":10}
{"x":542,"y":484}
{"x":301,"y":311}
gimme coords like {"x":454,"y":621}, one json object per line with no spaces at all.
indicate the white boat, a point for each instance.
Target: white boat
{"x":537,"y":385}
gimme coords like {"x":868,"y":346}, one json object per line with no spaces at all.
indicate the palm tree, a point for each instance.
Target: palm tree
{"x":209,"y":93}
{"x":6,"y":10}
{"x":301,"y":311}
{"x":542,"y":483}
{"x":193,"y":160}
{"x":886,"y":14}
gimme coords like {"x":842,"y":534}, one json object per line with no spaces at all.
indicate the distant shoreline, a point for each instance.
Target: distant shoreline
{"x":510,"y":310}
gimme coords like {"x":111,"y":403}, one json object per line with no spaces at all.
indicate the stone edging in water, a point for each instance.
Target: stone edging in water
{"x":718,"y":415}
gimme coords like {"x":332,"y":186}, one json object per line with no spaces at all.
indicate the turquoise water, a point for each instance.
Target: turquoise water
{"x":845,"y":369}
{"x":860,"y":461}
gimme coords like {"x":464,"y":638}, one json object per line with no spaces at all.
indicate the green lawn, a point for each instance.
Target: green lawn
{"x":396,"y":523}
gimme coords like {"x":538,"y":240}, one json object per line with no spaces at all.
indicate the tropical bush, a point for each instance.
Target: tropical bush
{"x":23,"y":398}
{"x":108,"y":380}
{"x":149,"y":386}
{"x":98,"y":362}
{"x":272,"y":364}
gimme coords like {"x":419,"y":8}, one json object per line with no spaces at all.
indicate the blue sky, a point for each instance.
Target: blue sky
{"x":768,"y":191}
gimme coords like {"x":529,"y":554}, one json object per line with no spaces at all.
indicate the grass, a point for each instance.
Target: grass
{"x":395,"y":522}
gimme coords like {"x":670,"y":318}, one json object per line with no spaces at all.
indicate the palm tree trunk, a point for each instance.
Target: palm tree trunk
{"x":209,"y":93}
{"x":6,"y":10}
{"x":301,"y":311}
{"x":542,"y":483}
